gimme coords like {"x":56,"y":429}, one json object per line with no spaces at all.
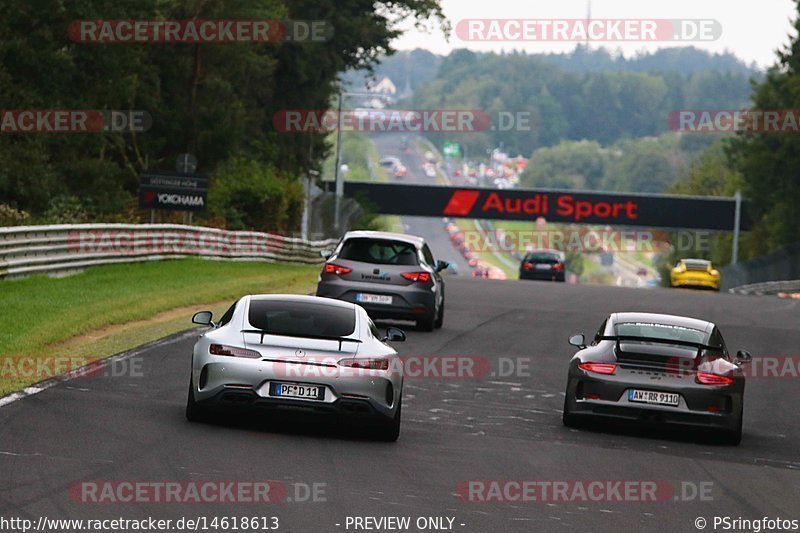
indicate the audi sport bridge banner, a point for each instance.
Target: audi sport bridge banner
{"x":630,"y":209}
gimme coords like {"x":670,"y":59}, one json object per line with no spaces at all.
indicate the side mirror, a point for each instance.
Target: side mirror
{"x":578,"y":340}
{"x":203,"y":318}
{"x":394,"y":334}
{"x":325,"y":253}
{"x":742,"y":357}
{"x":441,"y":265}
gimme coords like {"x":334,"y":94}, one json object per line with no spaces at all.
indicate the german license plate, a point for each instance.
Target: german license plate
{"x":543,"y":266}
{"x":297,"y":390}
{"x":373,"y":298}
{"x":654,"y":397}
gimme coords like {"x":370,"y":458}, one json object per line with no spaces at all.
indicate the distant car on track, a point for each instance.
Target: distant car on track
{"x":659,"y":369}
{"x":546,"y":265}
{"x":391,"y":275}
{"x":390,"y":162}
{"x":696,"y":273}
{"x":297,"y":352}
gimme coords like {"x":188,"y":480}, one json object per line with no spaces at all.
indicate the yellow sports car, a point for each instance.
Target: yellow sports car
{"x":697,"y":273}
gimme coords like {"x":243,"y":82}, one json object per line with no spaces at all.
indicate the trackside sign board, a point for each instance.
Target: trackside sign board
{"x":628,"y":209}
{"x":177,"y":192}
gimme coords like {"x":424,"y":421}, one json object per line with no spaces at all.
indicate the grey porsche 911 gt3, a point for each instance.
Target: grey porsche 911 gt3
{"x":301,"y":353}
{"x":662,"y":369}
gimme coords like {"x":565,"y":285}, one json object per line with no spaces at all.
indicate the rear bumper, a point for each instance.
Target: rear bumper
{"x":232,"y":400}
{"x":409,"y":302}
{"x":695,"y":281}
{"x":222,"y":384}
{"x":542,"y":275}
{"x":588,"y":396}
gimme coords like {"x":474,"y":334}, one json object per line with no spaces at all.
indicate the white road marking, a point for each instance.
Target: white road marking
{"x":95,"y":365}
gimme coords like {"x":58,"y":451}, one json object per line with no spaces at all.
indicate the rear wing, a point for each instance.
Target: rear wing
{"x":698,"y":345}
{"x":263,"y":332}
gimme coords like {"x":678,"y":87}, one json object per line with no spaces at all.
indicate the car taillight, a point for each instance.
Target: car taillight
{"x":527,"y":266}
{"x":230,"y":351}
{"x":422,"y":277}
{"x":366,"y":364}
{"x":558,"y":266}
{"x":598,"y":368}
{"x":706,"y":378}
{"x":331,"y":268}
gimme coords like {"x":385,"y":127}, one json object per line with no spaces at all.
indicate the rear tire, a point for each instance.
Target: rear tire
{"x":427,"y":323}
{"x":731,"y":437}
{"x":567,"y":418}
{"x":194,"y":413}
{"x":439,"y":317}
{"x":389,"y":431}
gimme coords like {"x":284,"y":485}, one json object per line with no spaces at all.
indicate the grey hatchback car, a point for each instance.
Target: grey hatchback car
{"x":390,"y":275}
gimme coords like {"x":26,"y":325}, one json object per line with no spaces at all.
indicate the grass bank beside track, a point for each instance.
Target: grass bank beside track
{"x":109,"y":309}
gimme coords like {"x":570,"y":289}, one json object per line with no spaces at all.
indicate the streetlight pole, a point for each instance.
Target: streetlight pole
{"x":337,"y":223}
{"x":339,"y":183}
{"x":737,"y":220}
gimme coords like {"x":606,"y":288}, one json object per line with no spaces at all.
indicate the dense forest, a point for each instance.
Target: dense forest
{"x":567,"y":101}
{"x":599,"y":119}
{"x":214,"y":100}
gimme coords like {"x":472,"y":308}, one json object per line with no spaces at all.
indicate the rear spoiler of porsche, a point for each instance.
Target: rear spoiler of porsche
{"x":698,"y":345}
{"x":263,"y":332}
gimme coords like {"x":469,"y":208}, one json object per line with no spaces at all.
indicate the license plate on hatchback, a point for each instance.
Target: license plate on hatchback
{"x":653,"y":397}
{"x":373,"y":298}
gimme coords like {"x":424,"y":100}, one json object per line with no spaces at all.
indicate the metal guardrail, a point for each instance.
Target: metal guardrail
{"x":779,"y":266}
{"x":768,"y":287}
{"x":26,"y":250}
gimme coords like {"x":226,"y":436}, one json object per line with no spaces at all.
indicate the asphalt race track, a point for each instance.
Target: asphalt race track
{"x":488,"y":428}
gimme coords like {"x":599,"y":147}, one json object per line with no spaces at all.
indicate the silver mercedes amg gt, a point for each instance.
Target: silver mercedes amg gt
{"x":298,"y":352}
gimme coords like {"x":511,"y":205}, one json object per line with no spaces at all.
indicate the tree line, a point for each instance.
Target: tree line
{"x":214,"y":100}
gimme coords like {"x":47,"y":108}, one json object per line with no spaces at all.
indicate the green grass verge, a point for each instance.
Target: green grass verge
{"x":53,"y":318}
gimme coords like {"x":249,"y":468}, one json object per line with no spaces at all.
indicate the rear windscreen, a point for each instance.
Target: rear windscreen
{"x":301,"y":319}
{"x":381,"y":252}
{"x":697,"y":265}
{"x":662,"y":332}
{"x":542,"y":258}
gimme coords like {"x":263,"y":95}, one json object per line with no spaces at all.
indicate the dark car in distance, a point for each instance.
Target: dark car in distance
{"x":544,"y":265}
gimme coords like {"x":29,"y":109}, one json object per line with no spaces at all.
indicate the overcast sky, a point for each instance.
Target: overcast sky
{"x":752,"y":30}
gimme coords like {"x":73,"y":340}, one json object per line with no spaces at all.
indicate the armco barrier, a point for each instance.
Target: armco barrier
{"x":780,"y":265}
{"x":62,"y":248}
